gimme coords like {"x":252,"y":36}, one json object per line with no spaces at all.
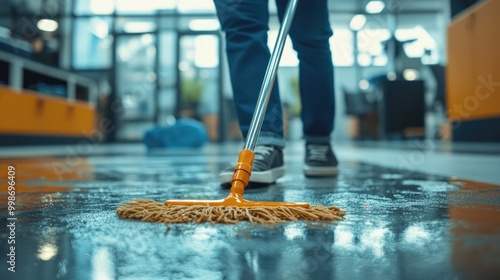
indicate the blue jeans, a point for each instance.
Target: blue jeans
{"x":245,"y":23}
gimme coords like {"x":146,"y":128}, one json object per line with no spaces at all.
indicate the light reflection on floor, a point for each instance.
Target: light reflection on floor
{"x":398,"y":225}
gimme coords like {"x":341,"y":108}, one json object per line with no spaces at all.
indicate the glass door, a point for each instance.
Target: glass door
{"x":136,"y":84}
{"x":199,"y":80}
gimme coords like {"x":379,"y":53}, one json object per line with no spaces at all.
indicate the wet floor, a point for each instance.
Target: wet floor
{"x":399,"y":225}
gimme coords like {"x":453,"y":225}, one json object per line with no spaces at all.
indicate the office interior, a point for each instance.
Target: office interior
{"x":417,"y":124}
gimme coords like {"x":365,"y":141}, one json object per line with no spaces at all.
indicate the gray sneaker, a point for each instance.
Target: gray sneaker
{"x":267,"y":166}
{"x":320,"y":160}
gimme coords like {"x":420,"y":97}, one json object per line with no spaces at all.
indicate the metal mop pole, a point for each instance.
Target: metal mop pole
{"x":270,"y":77}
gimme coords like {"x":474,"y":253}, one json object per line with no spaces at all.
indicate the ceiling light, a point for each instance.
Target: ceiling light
{"x":48,"y":25}
{"x":364,"y":84}
{"x":357,"y":22}
{"x":391,"y":76}
{"x":375,"y":7}
{"x":410,"y":74}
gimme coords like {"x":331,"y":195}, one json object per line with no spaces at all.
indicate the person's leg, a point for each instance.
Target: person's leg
{"x":245,"y":23}
{"x":310,"y":34}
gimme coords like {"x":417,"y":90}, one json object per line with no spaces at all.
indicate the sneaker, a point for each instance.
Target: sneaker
{"x":267,"y":166}
{"x":320,"y":160}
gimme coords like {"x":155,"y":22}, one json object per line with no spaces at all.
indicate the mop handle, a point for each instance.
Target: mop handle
{"x":270,"y":77}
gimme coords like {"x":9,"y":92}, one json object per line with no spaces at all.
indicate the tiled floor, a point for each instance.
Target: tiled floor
{"x":401,"y":224}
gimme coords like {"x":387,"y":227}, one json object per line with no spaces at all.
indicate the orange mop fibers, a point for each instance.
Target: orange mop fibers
{"x":231,"y":210}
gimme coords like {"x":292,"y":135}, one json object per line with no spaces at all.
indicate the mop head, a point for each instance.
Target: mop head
{"x":156,"y":212}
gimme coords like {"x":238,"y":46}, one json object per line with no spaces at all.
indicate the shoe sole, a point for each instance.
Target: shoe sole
{"x":261,"y":177}
{"x":320,"y":171}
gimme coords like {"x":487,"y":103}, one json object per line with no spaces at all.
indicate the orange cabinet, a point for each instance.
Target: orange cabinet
{"x":29,"y":113}
{"x":473,"y":70}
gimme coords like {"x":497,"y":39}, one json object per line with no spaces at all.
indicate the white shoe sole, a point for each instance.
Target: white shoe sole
{"x":262,"y":177}
{"x":319,"y":171}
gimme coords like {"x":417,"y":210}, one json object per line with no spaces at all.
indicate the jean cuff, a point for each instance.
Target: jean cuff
{"x":270,"y":138}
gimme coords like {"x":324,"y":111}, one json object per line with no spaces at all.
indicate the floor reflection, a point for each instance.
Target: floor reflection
{"x":398,"y":225}
{"x":476,"y":229}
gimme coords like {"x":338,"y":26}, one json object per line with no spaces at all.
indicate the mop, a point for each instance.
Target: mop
{"x":234,"y":208}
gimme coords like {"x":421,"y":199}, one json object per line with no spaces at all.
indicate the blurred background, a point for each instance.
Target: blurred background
{"x":110,"y":70}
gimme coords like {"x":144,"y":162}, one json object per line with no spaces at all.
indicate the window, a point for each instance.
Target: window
{"x":341,"y":44}
{"x":92,"y":45}
{"x":423,"y":46}
{"x":94,"y":7}
{"x":143,"y":6}
{"x":196,"y":6}
{"x":371,"y":47}
{"x":289,"y":56}
{"x":140,"y":7}
{"x":135,"y":24}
